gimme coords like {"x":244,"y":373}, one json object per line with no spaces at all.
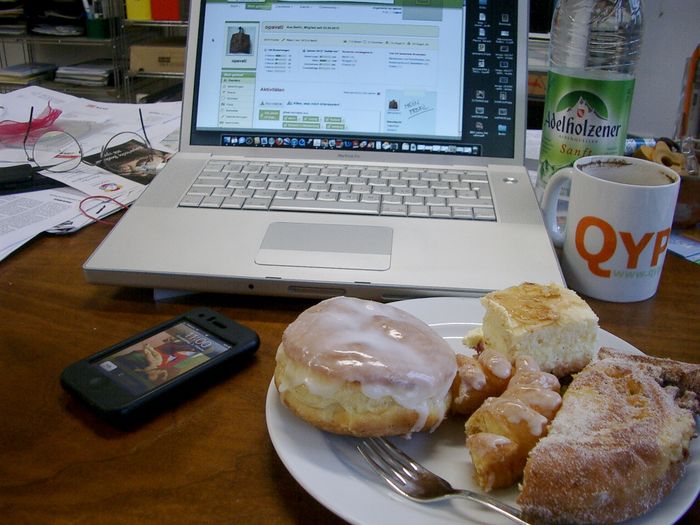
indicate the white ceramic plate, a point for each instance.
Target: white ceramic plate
{"x":332,"y":471}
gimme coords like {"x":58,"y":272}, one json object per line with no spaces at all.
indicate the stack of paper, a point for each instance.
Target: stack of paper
{"x":26,"y":74}
{"x":91,"y":73}
{"x":56,"y":18}
{"x":12,"y":18}
{"x":91,"y":192}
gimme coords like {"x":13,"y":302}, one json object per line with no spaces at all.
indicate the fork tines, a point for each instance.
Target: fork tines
{"x":388,"y":461}
{"x":386,"y":449}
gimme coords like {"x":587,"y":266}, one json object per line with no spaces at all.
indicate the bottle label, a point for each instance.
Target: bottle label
{"x":582,"y":117}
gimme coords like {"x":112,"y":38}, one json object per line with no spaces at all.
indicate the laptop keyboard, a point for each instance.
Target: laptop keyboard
{"x":370,"y":190}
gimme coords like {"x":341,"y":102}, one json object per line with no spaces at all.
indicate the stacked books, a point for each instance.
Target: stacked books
{"x":12,"y":18}
{"x":56,"y":17}
{"x":26,"y":74}
{"x":93,"y":73}
{"x":157,"y":9}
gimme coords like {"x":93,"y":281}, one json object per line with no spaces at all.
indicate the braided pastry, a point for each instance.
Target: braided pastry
{"x":479,"y":378}
{"x":503,"y":430}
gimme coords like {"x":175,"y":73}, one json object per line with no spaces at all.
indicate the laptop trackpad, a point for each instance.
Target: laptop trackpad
{"x":343,"y":246}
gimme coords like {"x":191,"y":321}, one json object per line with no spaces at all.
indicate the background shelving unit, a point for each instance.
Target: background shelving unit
{"x":65,"y":50}
{"x":114,"y":48}
{"x":151,"y":85}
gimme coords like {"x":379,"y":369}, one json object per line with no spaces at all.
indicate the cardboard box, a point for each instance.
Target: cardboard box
{"x":165,"y":55}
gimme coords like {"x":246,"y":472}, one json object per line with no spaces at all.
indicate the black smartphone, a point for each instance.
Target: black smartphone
{"x":23,"y":178}
{"x":127,"y":381}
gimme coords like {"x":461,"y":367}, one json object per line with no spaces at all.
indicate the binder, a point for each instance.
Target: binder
{"x":138,"y":9}
{"x":165,"y":9}
{"x":184,"y":9}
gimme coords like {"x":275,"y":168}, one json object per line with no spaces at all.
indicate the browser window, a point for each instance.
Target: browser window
{"x":387,"y":75}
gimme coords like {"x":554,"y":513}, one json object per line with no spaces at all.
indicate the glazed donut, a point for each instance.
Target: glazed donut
{"x":362,"y":368}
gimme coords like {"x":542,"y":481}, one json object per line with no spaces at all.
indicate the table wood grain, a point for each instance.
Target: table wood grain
{"x":208,"y":460}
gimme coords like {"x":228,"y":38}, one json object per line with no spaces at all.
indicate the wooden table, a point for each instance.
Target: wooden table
{"x":210,"y":459}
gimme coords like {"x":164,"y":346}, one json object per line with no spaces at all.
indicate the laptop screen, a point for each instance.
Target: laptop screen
{"x":410,"y":76}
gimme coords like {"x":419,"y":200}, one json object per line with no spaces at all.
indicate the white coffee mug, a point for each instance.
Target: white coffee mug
{"x":618,"y":225}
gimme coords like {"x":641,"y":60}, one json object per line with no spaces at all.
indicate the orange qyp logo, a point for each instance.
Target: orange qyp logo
{"x":634,"y":248}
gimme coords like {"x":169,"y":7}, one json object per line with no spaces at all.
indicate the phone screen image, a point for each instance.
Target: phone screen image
{"x":161,"y":357}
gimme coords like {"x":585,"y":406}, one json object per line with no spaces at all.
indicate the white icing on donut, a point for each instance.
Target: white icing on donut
{"x":386,"y":350}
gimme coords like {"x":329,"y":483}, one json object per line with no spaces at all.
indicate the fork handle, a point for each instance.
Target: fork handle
{"x":509,"y":512}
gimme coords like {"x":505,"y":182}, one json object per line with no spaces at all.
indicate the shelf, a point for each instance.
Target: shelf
{"x":145,"y":74}
{"x":101,"y":93}
{"x":156,"y":23}
{"x":58,"y":40}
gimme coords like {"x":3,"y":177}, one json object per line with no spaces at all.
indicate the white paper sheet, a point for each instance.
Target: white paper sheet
{"x":93,"y":124}
{"x":25,"y":215}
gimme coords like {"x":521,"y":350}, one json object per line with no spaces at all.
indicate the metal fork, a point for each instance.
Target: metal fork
{"x":411,"y":479}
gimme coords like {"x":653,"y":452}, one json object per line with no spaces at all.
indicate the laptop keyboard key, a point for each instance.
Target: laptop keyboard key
{"x":371,"y":197}
{"x":440,"y":211}
{"x":271,"y":169}
{"x":264,"y":194}
{"x":285,"y":194}
{"x":233,"y":202}
{"x":256,"y":204}
{"x":298,"y":186}
{"x":435,"y":201}
{"x":413,"y":201}
{"x":479,"y":203}
{"x":243,"y":192}
{"x":257,"y":185}
{"x":484,"y":214}
{"x":192,"y":201}
{"x":211,"y":181}
{"x":290,"y":170}
{"x":306,"y":195}
{"x":418,"y":211}
{"x":312,"y":205}
{"x":349,"y":197}
{"x":392,"y":199}
{"x":233,"y":167}
{"x":462,"y":213}
{"x":198,"y":189}
{"x":222,"y":192}
{"x":211,"y":202}
{"x":236,"y":177}
{"x":327,"y":196}
{"x":394,"y":209}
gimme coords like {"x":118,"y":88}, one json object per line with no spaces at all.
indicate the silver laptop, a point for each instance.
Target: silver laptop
{"x":327,"y":148}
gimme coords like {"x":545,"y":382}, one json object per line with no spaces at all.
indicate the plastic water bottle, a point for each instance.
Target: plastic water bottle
{"x":593,"y":52}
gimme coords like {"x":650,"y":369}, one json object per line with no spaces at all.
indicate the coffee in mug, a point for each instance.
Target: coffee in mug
{"x":618,"y":225}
